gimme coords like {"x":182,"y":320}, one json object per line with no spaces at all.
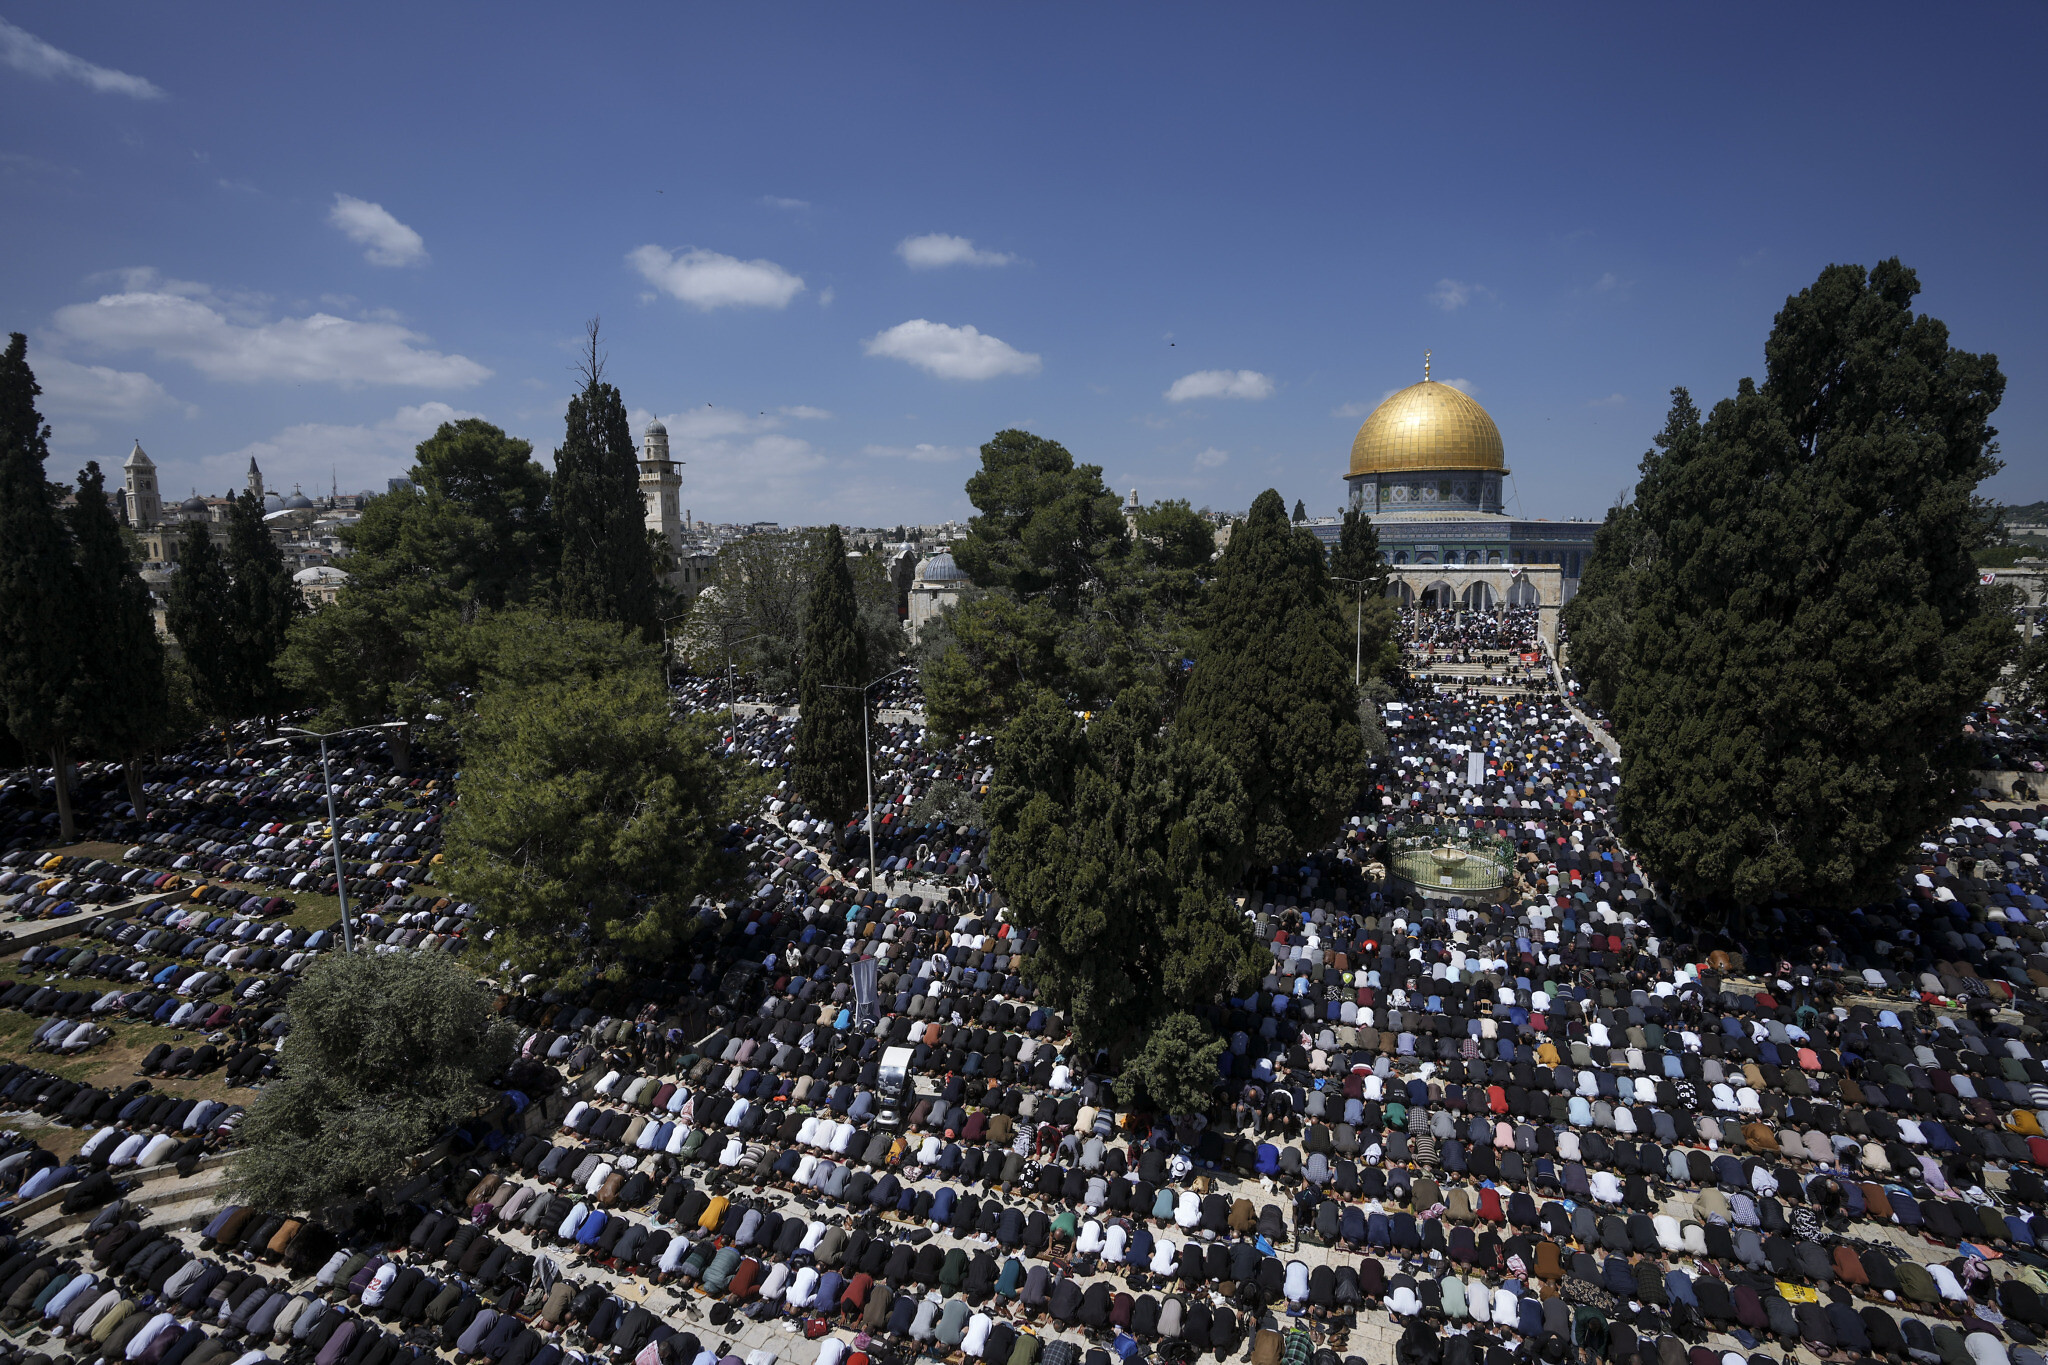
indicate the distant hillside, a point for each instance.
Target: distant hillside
{"x":2032,"y":514}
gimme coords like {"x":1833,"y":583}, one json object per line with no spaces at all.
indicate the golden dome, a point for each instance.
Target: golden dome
{"x":1427,"y":426}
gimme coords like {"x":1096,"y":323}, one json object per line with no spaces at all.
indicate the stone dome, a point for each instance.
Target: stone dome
{"x":940,"y":568}
{"x":655,"y":428}
{"x":194,"y":506}
{"x":1427,"y":426}
{"x":297,"y":500}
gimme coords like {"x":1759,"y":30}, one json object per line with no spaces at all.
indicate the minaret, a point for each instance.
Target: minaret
{"x":660,"y":486}
{"x":255,"y":481}
{"x":138,"y":485}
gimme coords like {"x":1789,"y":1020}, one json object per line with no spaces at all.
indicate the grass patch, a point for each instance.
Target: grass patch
{"x":111,"y":1065}
{"x":93,"y":848}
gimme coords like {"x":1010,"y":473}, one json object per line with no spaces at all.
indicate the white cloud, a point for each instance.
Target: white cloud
{"x":1219,"y":384}
{"x":1464,"y":386}
{"x":1212,"y":458}
{"x":1355,"y":410}
{"x":776,"y":201}
{"x":825,"y":296}
{"x":390,"y":242}
{"x":936,"y":250}
{"x":804,"y":412}
{"x":99,"y":389}
{"x":27,"y":53}
{"x":1606,"y":282}
{"x":147,"y":279}
{"x":951,"y":352}
{"x":1612,"y":400}
{"x":709,"y":279}
{"x":316,"y":454}
{"x":739,"y":465}
{"x":320,"y":348}
{"x":21,"y":163}
{"x":1451,"y":295}
{"x":923,"y":452}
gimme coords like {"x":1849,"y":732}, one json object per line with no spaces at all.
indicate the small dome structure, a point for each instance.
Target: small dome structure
{"x":297,"y":500}
{"x":940,"y":568}
{"x":194,"y":506}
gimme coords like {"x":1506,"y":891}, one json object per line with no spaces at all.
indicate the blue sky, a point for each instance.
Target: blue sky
{"x":837,"y":247}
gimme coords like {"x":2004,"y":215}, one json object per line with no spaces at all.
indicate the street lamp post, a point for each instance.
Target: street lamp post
{"x":867,"y":753}
{"x":1357,"y":630}
{"x":348,"y":937}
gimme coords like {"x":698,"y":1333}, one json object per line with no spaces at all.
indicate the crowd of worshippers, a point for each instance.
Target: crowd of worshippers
{"x":259,"y":817}
{"x":1460,"y":635}
{"x":1539,"y":765}
{"x":911,"y":845}
{"x":1028,"y":1204}
{"x":122,"y":1289}
{"x":1551,"y":1129}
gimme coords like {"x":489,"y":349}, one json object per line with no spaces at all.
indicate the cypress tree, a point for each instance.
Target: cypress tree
{"x":39,"y":616}
{"x":1598,"y":619}
{"x":1118,"y":842}
{"x":198,"y":609}
{"x":1271,"y":690}
{"x":119,"y":693}
{"x":1360,"y":581}
{"x":262,"y":604}
{"x":1357,"y":557}
{"x":829,"y":766}
{"x":1810,"y":635}
{"x":608,"y":566}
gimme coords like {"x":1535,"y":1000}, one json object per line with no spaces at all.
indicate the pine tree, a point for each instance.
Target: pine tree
{"x":1272,"y":690}
{"x":39,"y":615}
{"x":198,"y":609}
{"x":119,"y":694}
{"x":608,"y":565}
{"x":829,"y":766}
{"x":1044,"y":524}
{"x":590,"y":819}
{"x":481,"y":517}
{"x":262,"y":604}
{"x":1810,"y":637}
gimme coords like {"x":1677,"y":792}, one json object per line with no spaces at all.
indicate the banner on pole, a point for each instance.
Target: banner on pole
{"x":865,"y":1010}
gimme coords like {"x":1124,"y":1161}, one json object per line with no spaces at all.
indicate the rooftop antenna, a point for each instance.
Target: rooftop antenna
{"x":1425,"y":367}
